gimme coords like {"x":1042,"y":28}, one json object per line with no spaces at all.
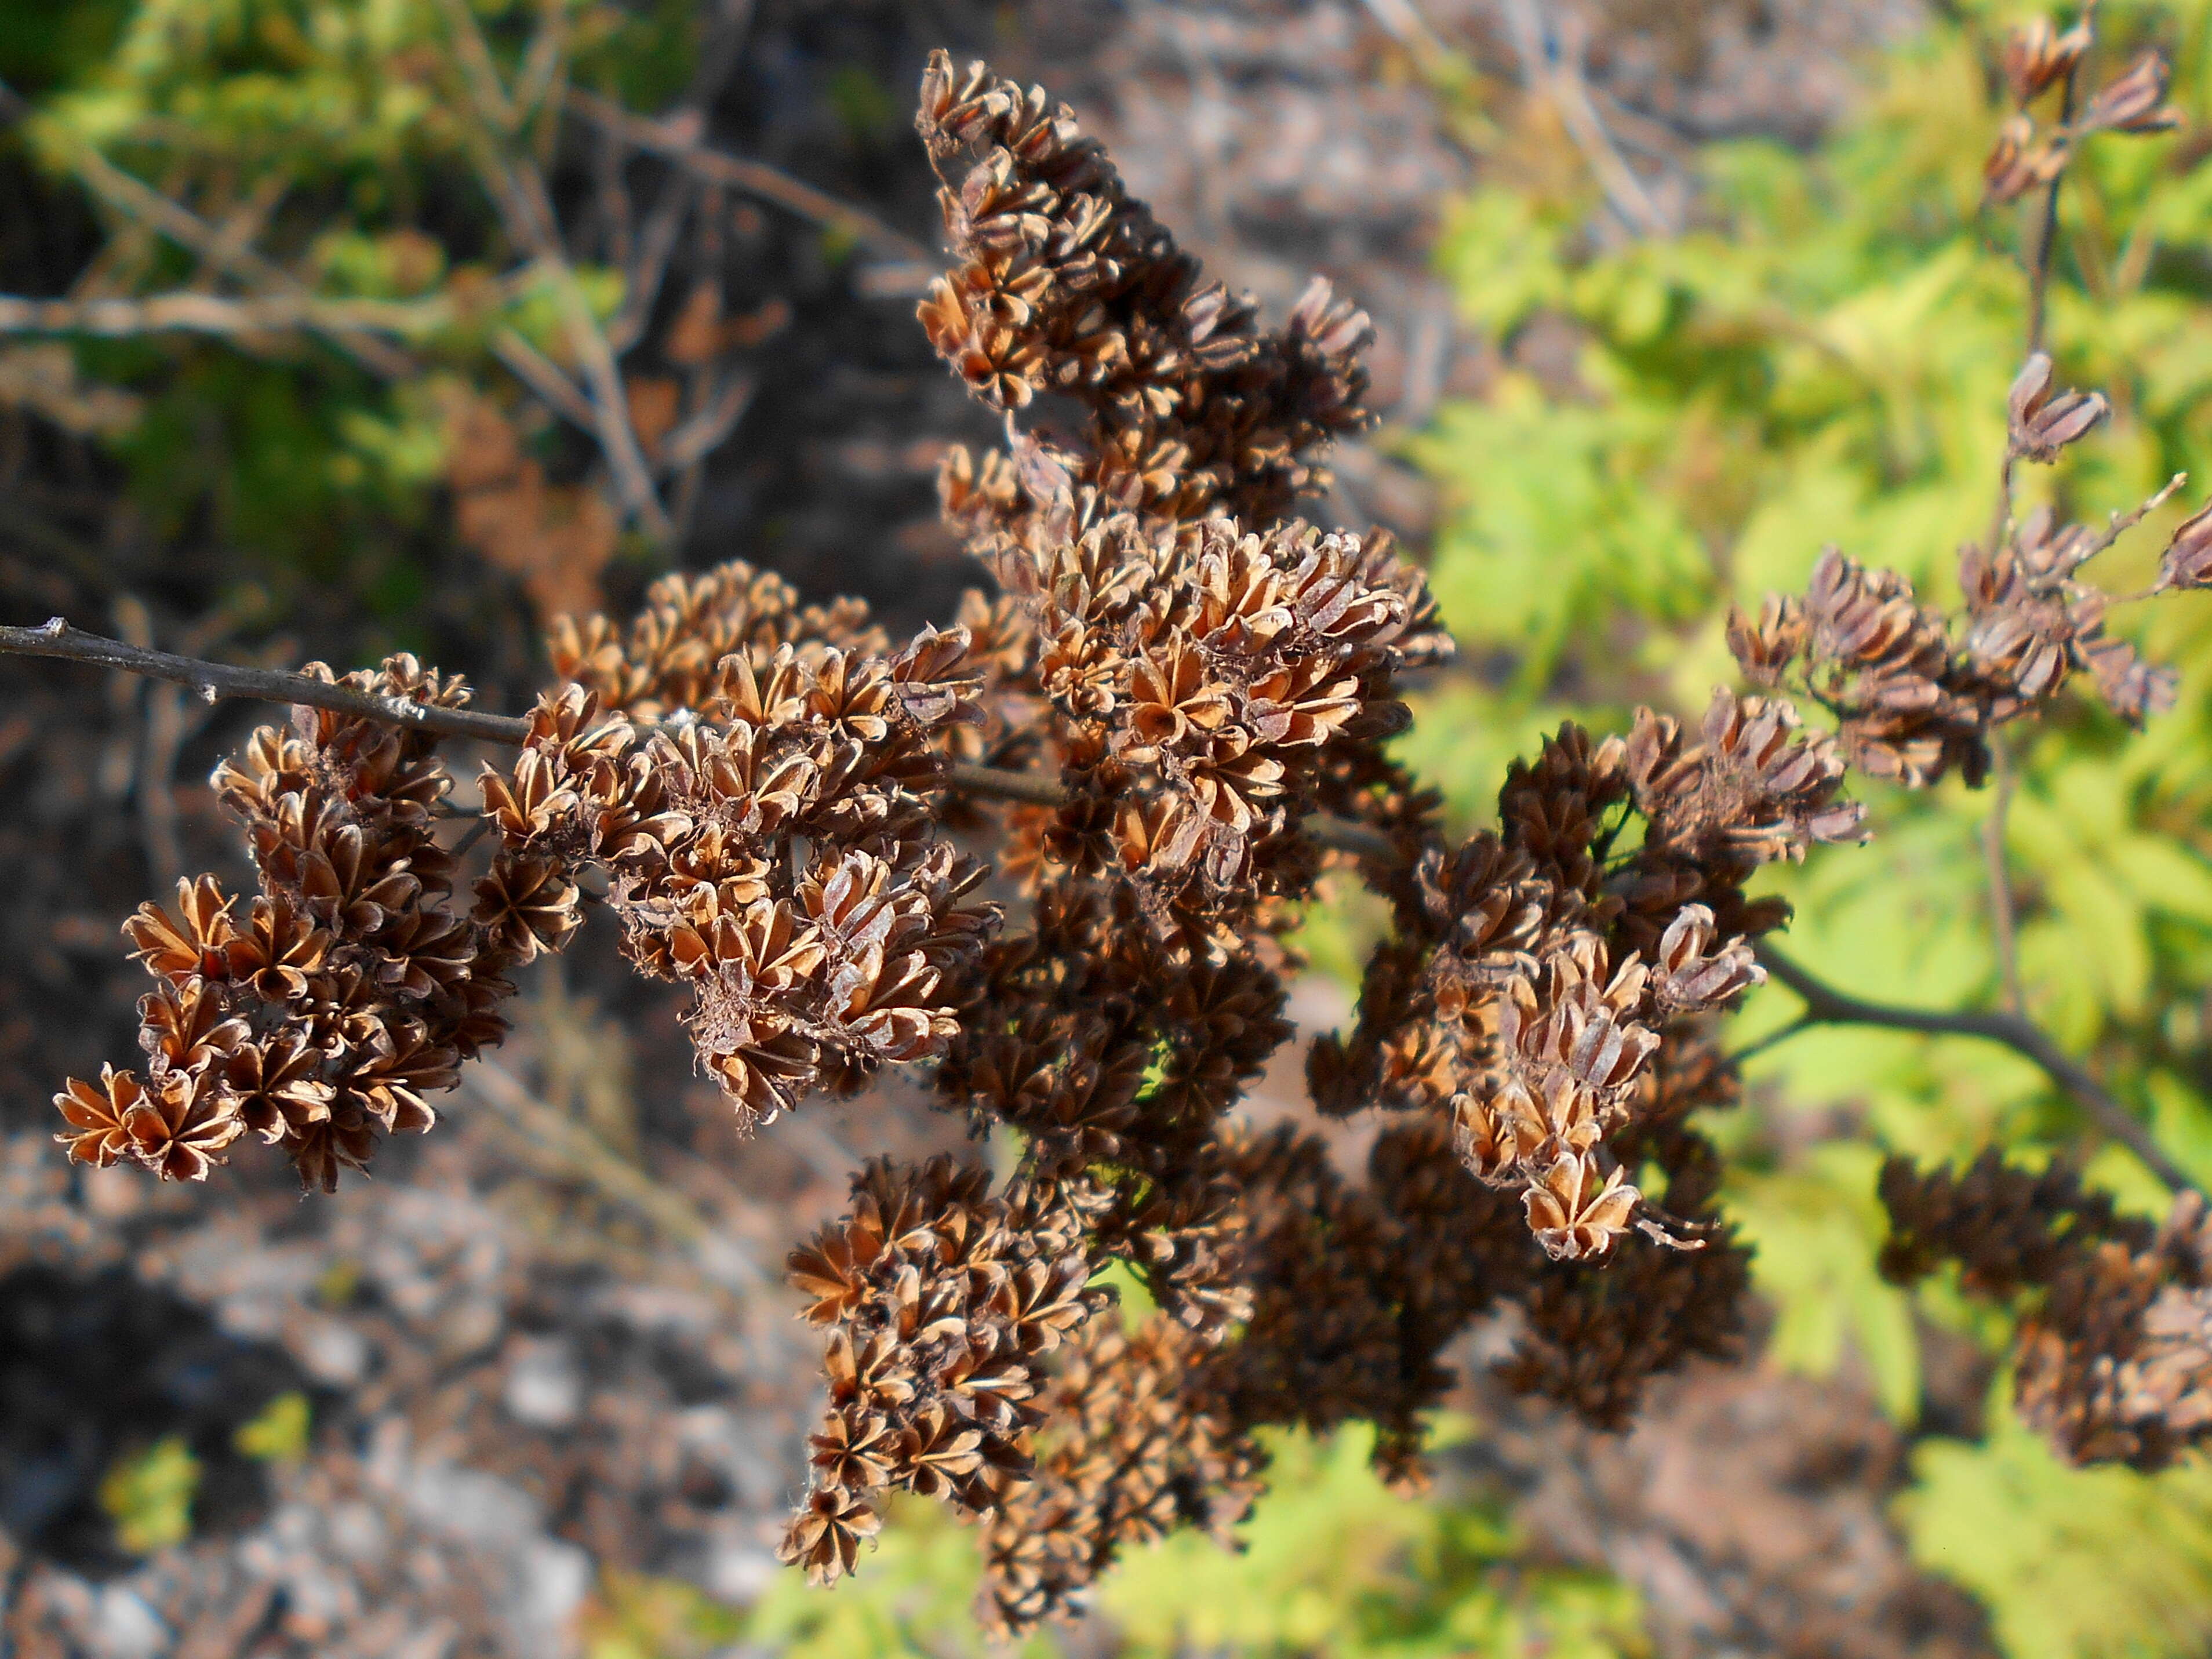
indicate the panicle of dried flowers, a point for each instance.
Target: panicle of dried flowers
{"x":2028,"y":154}
{"x":1203,"y":687}
{"x":1915,"y":693}
{"x":1206,"y":682}
{"x":2113,"y":1356}
{"x":1528,"y":987}
{"x":755,"y":783}
{"x":671,"y":655}
{"x":1591,"y":1341}
{"x":941,"y":1302}
{"x":350,"y":991}
{"x":1136,"y":1444}
{"x":809,"y":970}
{"x":1069,"y":287}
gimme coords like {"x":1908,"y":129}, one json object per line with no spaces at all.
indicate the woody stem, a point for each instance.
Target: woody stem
{"x":214,"y":680}
{"x":1826,"y":1005}
{"x":2046,"y":239}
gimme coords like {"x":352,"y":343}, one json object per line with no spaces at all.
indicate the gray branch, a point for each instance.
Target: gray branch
{"x":1826,"y":1005}
{"x":213,"y":680}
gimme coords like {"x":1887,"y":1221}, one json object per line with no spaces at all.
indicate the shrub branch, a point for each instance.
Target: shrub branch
{"x":1826,"y":1005}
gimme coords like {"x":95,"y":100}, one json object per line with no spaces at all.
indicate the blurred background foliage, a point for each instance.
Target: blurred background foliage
{"x":1673,"y":423}
{"x":337,"y":140}
{"x":1821,"y":358}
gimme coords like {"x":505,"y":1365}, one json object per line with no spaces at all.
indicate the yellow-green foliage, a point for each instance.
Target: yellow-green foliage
{"x":1825,"y":359}
{"x":148,"y":1495}
{"x":280,"y":1433}
{"x":2103,"y":1562}
{"x":1332,"y":1563}
{"x":634,"y":1616}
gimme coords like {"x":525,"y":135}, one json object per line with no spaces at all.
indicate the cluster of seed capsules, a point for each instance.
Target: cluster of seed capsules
{"x":325,"y":1014}
{"x":1196,"y":690}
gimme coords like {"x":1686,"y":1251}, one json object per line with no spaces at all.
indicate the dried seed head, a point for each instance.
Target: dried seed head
{"x":2018,"y":162}
{"x":2040,"y":425}
{"x":2187,"y":561}
{"x":2037,"y":57}
{"x":2135,"y":102}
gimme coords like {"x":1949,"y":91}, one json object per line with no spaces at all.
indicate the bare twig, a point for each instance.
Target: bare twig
{"x":2039,"y":282}
{"x":2001,"y":515}
{"x":560,"y":1147}
{"x":535,"y":370}
{"x":610,"y":399}
{"x":162,"y":733}
{"x":479,"y":70}
{"x":1033,"y":788}
{"x":648,"y":263}
{"x":141,"y":201}
{"x":1826,"y":1005}
{"x":1550,"y":62}
{"x":1403,"y":20}
{"x":213,"y":679}
{"x":677,"y":142}
{"x":542,"y":83}
{"x":702,"y":433}
{"x":525,"y":208}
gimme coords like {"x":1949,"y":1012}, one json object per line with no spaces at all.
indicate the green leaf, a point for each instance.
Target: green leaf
{"x":279,"y":1434}
{"x":2074,"y":1564}
{"x":148,"y":1495}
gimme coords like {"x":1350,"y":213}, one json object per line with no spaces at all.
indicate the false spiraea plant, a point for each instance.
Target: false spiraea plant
{"x":1054,"y":853}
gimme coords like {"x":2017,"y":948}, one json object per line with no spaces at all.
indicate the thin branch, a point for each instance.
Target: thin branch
{"x":542,"y":79}
{"x":139,"y":200}
{"x":677,"y":142}
{"x":1826,"y":1005}
{"x":525,"y":209}
{"x":535,"y":370}
{"x":2039,"y":282}
{"x":701,"y":434}
{"x":1773,"y":1039}
{"x":472,"y":52}
{"x":1404,"y":22}
{"x":609,"y":397}
{"x":1552,"y":65}
{"x":648,"y":264}
{"x":558,"y":1146}
{"x":2001,"y":515}
{"x":214,"y":679}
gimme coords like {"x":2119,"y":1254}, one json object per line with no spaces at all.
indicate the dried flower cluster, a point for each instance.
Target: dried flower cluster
{"x":2113,"y":1358}
{"x":350,"y":989}
{"x":1530,"y":986}
{"x":1186,"y":693}
{"x":942,"y":1302}
{"x":767,"y":842}
{"x":2038,"y":58}
{"x":1915,"y":693}
{"x":1067,"y":288}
